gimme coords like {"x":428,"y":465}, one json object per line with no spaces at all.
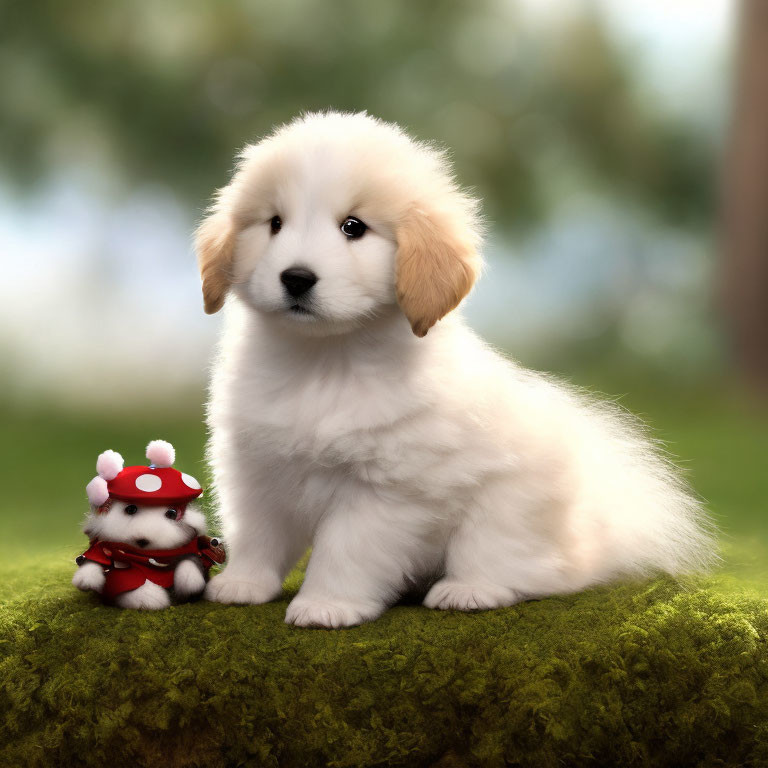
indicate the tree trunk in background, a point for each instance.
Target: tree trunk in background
{"x":745,"y":202}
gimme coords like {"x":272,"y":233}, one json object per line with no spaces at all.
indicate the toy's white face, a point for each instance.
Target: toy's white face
{"x":145,"y":527}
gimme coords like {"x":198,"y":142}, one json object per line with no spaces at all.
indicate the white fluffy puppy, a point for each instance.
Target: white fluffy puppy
{"x":350,"y":411}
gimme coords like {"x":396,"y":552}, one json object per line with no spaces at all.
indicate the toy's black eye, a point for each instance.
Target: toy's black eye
{"x":131,"y":509}
{"x":353,"y":228}
{"x":275,"y":224}
{"x":170,"y":514}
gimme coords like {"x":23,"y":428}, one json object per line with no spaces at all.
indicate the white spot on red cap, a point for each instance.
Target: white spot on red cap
{"x":148,"y":483}
{"x":189,"y":481}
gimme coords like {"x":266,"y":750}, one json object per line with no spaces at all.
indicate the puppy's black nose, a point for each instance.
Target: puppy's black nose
{"x":142,"y":542}
{"x":297,"y":280}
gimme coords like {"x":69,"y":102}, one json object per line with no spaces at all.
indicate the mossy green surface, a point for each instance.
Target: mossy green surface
{"x":642,"y":674}
{"x":654,"y":674}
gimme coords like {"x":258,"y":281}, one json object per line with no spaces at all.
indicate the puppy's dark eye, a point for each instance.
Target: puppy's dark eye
{"x":353,"y":228}
{"x":131,"y":509}
{"x":170,"y":514}
{"x":275,"y":224}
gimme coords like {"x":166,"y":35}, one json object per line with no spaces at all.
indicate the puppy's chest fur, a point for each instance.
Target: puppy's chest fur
{"x":330,"y":412}
{"x":336,"y":418}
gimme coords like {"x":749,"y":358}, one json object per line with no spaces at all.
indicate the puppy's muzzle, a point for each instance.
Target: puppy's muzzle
{"x":297,"y":280}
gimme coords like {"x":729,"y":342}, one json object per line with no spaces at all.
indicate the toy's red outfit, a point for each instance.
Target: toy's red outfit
{"x":127,"y":568}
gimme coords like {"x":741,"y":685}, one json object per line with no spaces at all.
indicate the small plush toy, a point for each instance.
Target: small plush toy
{"x":147,"y":536}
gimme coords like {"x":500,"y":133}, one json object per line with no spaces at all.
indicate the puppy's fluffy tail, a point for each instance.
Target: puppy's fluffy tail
{"x":643,"y":512}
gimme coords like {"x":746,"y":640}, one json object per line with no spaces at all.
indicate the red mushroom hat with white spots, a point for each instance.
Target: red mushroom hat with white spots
{"x":155,"y":485}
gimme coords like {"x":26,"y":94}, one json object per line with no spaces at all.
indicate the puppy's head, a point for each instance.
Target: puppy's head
{"x":337,"y":218}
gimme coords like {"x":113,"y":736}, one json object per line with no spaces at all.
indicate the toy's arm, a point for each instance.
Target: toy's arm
{"x":89,"y":575}
{"x":90,"y":572}
{"x":188,"y":578}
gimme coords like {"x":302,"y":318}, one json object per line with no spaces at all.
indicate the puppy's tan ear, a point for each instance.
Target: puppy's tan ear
{"x":215,"y":245}
{"x":436,"y":268}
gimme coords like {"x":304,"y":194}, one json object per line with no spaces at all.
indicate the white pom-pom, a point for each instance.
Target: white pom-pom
{"x":109,"y":465}
{"x":161,"y":453}
{"x":97,"y":491}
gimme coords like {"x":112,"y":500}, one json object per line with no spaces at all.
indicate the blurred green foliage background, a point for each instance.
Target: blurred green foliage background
{"x":164,"y":92}
{"x":594,"y":132}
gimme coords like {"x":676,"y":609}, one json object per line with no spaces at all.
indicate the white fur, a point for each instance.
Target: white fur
{"x":148,"y":523}
{"x":89,"y":577}
{"x":148,"y":597}
{"x":161,"y":453}
{"x":188,"y":579}
{"x":109,"y":465}
{"x":404,"y":461}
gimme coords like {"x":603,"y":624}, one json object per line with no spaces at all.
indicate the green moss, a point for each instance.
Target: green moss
{"x":654,"y":673}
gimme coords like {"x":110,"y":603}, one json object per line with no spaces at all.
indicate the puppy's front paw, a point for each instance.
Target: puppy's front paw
{"x":188,"y":579}
{"x":89,"y":576}
{"x":148,"y":597}
{"x":452,"y":595}
{"x":224,"y":588}
{"x":331,"y":614}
